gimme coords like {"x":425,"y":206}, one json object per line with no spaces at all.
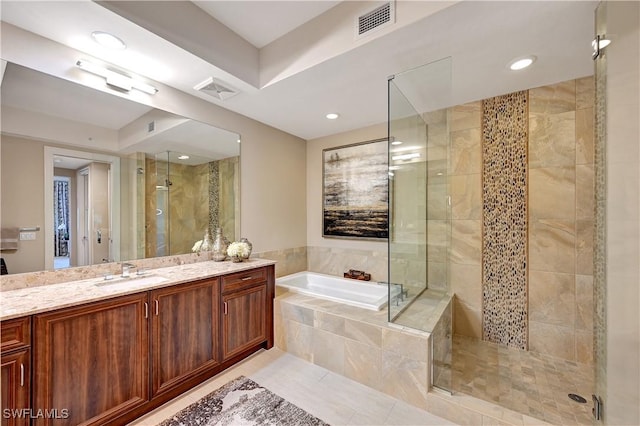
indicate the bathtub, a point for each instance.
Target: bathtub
{"x":363,"y":294}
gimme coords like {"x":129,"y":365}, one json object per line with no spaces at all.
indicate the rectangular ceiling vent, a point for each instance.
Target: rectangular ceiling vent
{"x":216,"y":88}
{"x":379,"y":17}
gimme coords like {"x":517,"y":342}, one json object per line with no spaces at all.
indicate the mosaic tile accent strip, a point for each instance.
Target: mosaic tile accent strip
{"x":505,"y":127}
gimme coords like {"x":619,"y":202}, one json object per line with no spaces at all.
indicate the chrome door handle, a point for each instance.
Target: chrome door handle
{"x":146,"y":310}
{"x":225,"y":308}
{"x":157,"y":306}
{"x":22,"y":375}
{"x":246,"y":278}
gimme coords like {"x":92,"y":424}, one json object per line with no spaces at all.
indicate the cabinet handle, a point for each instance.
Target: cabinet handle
{"x":157,"y":306}
{"x":22,"y":375}
{"x":246,"y":278}
{"x":225,"y":308}
{"x":146,"y":310}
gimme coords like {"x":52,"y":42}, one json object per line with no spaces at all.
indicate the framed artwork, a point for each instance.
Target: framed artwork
{"x":355,"y":191}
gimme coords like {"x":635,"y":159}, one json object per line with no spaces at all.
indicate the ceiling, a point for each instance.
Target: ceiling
{"x":290,"y":66}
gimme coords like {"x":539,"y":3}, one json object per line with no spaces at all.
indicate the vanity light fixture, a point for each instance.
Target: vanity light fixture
{"x":522,"y":63}
{"x":108,"y":40}
{"x":396,"y":143}
{"x":115,"y":79}
{"x":332,"y":116}
{"x":183,"y":157}
{"x":408,"y":156}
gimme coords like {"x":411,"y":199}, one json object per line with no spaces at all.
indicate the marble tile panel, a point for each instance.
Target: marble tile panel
{"x":584,"y":346}
{"x":584,"y":302}
{"x":552,"y":246}
{"x":466,"y":283}
{"x":554,"y":98}
{"x":466,"y":116}
{"x":552,"y":193}
{"x":335,"y":261}
{"x":363,"y":363}
{"x":466,"y":242}
{"x":437,"y":231}
{"x":437,"y":275}
{"x":279,"y":332}
{"x":467,"y":321}
{"x":466,"y":196}
{"x":405,"y":379}
{"x":363,"y":332}
{"x":296,"y":313}
{"x":410,"y":346}
{"x":289,"y":261}
{"x":585,"y":187}
{"x":585,"y":136}
{"x":299,"y":340}
{"x":584,"y":247}
{"x":585,"y":92}
{"x":466,"y":152}
{"x":329,"y":322}
{"x":552,"y":298}
{"x":328,"y":350}
{"x":554,"y":340}
{"x":437,"y":201}
{"x":552,"y":139}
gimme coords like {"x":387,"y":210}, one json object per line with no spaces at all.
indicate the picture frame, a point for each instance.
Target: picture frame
{"x":355,"y":191}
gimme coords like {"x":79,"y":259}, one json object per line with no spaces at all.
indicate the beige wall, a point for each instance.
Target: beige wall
{"x":334,"y":255}
{"x":622,"y":398}
{"x":22,"y":202}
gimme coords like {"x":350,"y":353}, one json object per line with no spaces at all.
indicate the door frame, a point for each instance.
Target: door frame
{"x":114,"y":208}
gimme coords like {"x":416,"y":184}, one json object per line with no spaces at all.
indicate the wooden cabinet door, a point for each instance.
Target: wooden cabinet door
{"x":91,"y":361}
{"x":244,"y":320}
{"x":15,"y":388}
{"x":184,"y":332}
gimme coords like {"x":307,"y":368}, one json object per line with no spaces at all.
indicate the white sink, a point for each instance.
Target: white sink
{"x":131,"y":282}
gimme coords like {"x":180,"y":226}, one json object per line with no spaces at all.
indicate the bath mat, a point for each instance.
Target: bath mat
{"x":242,"y":402}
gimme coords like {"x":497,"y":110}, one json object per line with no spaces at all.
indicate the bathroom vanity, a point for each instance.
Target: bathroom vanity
{"x":106,"y":354}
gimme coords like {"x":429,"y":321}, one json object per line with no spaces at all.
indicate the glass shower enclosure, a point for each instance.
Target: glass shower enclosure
{"x":419,"y":206}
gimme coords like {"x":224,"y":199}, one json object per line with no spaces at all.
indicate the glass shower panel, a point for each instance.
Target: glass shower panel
{"x":420,"y":208}
{"x":407,"y":202}
{"x":162,"y":186}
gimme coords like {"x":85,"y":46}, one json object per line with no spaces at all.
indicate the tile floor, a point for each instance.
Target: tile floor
{"x":527,"y":382}
{"x":329,"y":396}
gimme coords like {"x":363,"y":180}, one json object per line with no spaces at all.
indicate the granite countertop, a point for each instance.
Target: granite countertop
{"x":34,"y":300}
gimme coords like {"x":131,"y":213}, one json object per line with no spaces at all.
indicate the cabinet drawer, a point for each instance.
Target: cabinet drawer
{"x":240,"y":280}
{"x":16,"y":333}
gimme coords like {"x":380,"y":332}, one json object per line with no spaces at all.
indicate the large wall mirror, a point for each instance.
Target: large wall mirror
{"x":144,"y":183}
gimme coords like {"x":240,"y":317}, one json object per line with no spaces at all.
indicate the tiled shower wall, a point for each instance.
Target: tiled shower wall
{"x":560,"y":219}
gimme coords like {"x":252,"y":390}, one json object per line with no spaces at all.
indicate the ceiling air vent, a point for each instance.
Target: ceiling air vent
{"x":215,"y":88}
{"x":379,"y":17}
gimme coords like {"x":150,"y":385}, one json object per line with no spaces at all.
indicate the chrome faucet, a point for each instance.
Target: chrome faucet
{"x":126,"y":269}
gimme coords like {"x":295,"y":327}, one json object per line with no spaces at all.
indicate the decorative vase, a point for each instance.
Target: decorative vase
{"x":207,"y":242}
{"x":237,"y":259}
{"x":248,"y":243}
{"x":219,"y":246}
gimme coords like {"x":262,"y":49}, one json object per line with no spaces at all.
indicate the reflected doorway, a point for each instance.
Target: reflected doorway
{"x":89,"y":231}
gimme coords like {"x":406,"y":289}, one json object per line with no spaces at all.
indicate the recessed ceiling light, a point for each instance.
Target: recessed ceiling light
{"x":396,"y":143}
{"x":108,"y":40}
{"x":332,"y":116}
{"x":183,"y":157}
{"x":522,"y":63}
